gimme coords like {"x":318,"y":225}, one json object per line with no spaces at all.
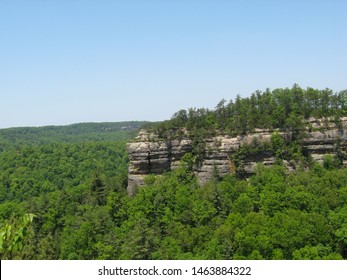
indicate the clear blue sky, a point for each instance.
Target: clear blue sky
{"x":68,"y":61}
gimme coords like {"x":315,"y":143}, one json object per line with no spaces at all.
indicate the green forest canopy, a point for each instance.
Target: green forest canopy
{"x":76,"y":190}
{"x":81,"y":132}
{"x":280,"y":108}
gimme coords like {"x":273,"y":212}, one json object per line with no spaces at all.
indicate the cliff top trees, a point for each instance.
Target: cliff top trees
{"x":279,"y":108}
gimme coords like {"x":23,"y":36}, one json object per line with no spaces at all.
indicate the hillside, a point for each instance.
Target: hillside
{"x":52,"y":172}
{"x":74,"y":133}
{"x":68,"y":199}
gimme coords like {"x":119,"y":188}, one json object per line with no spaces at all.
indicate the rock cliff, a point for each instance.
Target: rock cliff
{"x":150,"y":155}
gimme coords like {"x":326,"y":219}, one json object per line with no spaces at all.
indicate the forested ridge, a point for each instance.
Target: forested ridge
{"x":282,"y":108}
{"x":66,"y":199}
{"x":74,"y":133}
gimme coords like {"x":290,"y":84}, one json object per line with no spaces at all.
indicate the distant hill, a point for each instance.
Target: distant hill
{"x":74,"y":133}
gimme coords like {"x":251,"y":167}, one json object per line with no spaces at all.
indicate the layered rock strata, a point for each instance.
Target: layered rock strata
{"x":150,"y":155}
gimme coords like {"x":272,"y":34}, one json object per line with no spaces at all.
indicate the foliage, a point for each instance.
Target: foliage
{"x":278,"y":109}
{"x":13,"y":236}
{"x":269,"y":216}
{"x":74,"y":133}
{"x":76,"y":188}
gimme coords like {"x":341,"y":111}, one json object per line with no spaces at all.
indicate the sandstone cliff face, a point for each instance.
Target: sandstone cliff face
{"x":149,"y":155}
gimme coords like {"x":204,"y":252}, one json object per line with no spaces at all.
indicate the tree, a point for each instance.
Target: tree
{"x":98,"y":189}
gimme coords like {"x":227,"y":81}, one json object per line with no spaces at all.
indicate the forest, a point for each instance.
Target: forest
{"x":74,"y":133}
{"x":282,"y":108}
{"x":63,"y":194}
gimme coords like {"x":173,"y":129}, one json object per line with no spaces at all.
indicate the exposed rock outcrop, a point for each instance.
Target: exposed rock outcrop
{"x":150,"y":155}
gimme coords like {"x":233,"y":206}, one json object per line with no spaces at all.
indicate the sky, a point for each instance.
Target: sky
{"x":71,"y":61}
